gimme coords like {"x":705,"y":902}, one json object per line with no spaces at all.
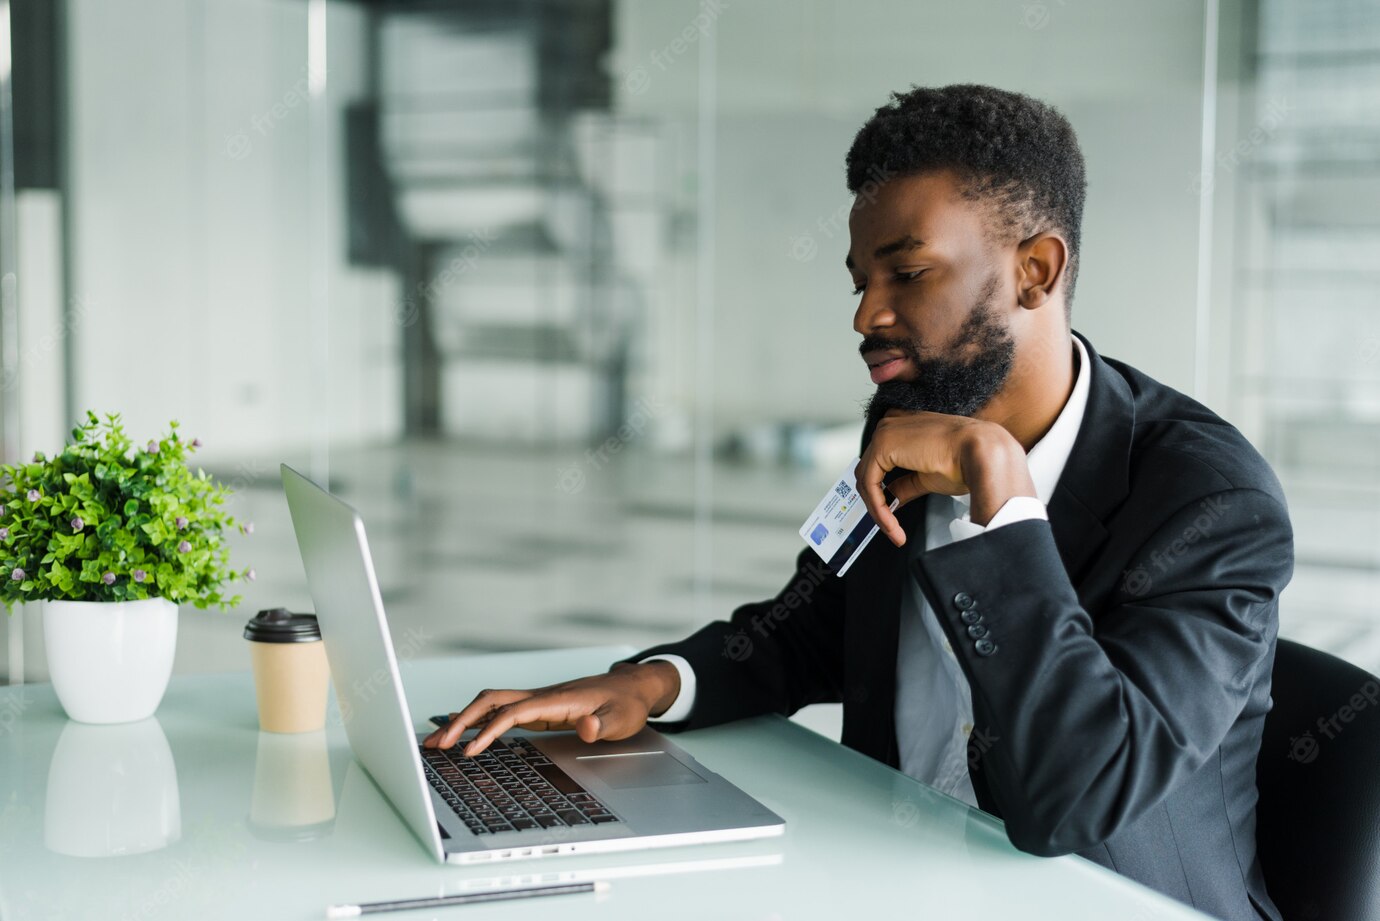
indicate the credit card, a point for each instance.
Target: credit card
{"x":840,"y":527}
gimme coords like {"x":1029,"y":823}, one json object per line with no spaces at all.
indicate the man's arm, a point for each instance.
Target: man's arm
{"x":1088,"y":726}
{"x":771,"y":656}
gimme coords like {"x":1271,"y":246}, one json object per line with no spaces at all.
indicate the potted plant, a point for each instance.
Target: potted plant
{"x":111,"y":538}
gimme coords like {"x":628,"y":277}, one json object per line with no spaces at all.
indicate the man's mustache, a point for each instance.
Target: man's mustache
{"x":906,"y":347}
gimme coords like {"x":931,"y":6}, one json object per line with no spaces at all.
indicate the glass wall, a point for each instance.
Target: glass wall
{"x":1304,"y":305}
{"x":553,"y":292}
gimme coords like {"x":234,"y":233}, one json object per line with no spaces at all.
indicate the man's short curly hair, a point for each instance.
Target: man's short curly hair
{"x":1006,"y":148}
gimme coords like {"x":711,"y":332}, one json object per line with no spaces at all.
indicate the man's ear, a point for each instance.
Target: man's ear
{"x":1040,"y":264}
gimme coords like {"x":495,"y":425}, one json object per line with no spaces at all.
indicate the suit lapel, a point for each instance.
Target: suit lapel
{"x":1097,"y":476}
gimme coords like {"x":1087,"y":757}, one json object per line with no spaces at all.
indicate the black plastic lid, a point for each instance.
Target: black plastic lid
{"x":279,"y":625}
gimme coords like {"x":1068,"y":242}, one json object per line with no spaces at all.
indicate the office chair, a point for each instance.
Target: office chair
{"x":1318,"y":819}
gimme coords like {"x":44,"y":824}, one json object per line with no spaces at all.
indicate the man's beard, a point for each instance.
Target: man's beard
{"x":959,"y":382}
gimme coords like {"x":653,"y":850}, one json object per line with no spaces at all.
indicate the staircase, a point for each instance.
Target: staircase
{"x":522,"y":247}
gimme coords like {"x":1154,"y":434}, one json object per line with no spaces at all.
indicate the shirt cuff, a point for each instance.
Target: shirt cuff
{"x":1017,"y":508}
{"x":685,"y":701}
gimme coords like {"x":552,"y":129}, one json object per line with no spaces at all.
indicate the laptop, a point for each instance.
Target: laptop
{"x":530,"y":794}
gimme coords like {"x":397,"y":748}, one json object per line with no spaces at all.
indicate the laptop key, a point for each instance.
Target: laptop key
{"x":603,"y":819}
{"x":559,"y":779}
{"x":548,"y":821}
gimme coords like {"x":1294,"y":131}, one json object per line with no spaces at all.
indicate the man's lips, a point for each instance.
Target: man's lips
{"x":885,"y":365}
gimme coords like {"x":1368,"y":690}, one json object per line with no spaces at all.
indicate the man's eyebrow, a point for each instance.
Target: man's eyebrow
{"x":901,"y":245}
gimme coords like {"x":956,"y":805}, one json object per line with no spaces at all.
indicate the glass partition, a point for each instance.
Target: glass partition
{"x":553,"y":292}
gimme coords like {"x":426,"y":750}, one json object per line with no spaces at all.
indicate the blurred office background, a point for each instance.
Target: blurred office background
{"x":553,"y":291}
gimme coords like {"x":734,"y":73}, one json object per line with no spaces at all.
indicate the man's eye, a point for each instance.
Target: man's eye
{"x":858,"y":290}
{"x":910,"y":276}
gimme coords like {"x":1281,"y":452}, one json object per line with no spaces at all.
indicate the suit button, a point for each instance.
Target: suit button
{"x":985,"y":647}
{"x":977,"y":631}
{"x":971,"y":616}
{"x":963,"y":601}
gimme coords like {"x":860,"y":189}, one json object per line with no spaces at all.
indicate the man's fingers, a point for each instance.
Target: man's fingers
{"x":547,"y":726}
{"x":870,"y":474}
{"x":478,"y":711}
{"x":588,"y":727}
{"x":612,"y":720}
{"x":905,"y":489}
{"x":544,"y":708}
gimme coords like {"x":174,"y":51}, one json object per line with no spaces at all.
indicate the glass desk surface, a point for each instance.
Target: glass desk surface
{"x":194,"y":813}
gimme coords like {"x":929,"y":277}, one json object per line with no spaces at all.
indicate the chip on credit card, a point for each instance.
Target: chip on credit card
{"x":840,"y":527}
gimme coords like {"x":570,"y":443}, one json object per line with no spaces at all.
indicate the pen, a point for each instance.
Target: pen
{"x":466,"y":898}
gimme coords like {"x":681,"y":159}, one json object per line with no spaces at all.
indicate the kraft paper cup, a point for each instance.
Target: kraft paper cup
{"x":291,"y":678}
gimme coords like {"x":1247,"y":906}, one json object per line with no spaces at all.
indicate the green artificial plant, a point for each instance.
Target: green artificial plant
{"x":107,"y":521}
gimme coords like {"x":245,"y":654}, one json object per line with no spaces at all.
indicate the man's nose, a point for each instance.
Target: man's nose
{"x":872,"y":314}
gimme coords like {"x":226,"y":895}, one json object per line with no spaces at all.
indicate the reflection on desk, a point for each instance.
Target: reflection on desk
{"x":112,"y":791}
{"x":293,"y":798}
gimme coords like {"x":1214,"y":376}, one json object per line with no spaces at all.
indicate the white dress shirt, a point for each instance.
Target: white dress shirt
{"x":934,"y":707}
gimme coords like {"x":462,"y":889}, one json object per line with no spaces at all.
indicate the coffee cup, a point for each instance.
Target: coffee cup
{"x":291,"y":678}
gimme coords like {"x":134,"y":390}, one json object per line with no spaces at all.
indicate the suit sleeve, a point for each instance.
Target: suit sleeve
{"x":772,"y":656}
{"x":1089,"y":726}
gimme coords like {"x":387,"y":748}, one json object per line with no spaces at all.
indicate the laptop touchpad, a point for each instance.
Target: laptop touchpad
{"x":638,"y":769}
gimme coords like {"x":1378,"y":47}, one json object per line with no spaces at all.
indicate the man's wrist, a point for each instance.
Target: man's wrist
{"x":995,"y":469}
{"x":659,"y":682}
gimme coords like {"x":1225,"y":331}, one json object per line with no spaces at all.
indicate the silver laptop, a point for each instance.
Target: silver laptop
{"x":528,"y":795}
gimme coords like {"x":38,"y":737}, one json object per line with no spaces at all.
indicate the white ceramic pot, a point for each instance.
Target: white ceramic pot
{"x":110,"y":661}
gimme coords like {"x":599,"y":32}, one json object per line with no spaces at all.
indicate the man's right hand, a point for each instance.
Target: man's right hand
{"x":614,"y":705}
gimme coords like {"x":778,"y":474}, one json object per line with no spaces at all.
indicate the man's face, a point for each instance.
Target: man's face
{"x":937,"y":297}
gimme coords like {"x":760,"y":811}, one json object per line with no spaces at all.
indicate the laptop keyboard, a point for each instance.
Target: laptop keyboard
{"x":511,"y":786}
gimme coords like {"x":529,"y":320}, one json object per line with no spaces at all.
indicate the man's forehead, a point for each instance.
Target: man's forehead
{"x":903,"y":205}
{"x":928,"y":207}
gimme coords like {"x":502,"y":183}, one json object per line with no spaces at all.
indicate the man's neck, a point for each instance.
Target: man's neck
{"x":1037,"y":390}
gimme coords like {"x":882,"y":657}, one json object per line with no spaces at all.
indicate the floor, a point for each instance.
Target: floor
{"x":480,"y":549}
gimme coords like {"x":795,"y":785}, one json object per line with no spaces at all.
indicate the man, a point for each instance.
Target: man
{"x":1070,"y":621}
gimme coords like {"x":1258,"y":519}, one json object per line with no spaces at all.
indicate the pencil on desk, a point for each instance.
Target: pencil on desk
{"x":467,"y":898}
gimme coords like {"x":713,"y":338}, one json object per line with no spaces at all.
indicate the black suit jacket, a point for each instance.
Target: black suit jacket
{"x":1119,"y":654}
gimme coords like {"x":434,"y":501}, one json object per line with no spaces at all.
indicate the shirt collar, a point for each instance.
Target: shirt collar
{"x":1050,"y":454}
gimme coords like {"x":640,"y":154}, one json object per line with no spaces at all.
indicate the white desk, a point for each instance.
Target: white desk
{"x":193,"y":787}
